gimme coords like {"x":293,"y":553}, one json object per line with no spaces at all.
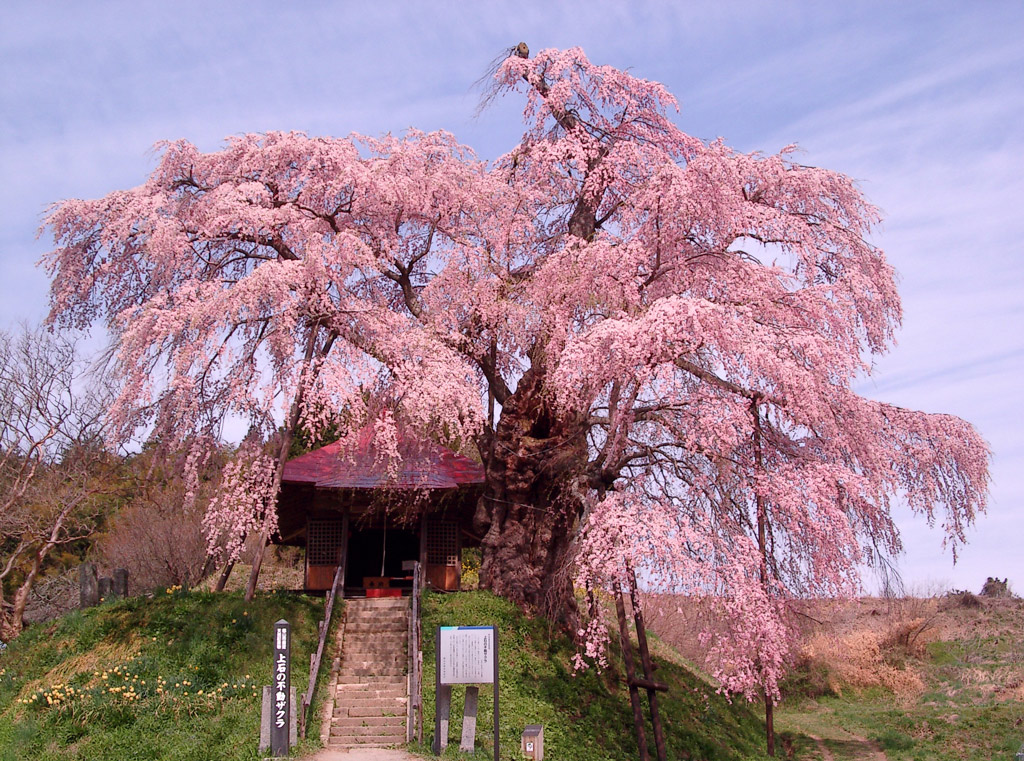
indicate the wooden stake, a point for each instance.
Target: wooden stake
{"x":627,"y":656}
{"x":645,"y":659}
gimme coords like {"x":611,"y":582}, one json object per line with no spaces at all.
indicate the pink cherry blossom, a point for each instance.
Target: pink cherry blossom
{"x":650,"y":339}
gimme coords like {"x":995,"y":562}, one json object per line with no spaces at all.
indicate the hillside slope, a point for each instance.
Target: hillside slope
{"x":173,"y":677}
{"x":587,"y":716}
{"x":935,"y":679}
{"x":178,"y":677}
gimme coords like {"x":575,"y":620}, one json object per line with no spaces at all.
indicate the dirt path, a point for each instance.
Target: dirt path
{"x":851,"y":748}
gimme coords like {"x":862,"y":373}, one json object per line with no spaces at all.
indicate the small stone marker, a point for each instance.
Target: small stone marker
{"x":104,"y":586}
{"x":88,"y":586}
{"x":533,"y":741}
{"x":267,"y":712}
{"x":119,"y":585}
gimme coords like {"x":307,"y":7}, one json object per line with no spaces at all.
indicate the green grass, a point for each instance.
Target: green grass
{"x":156,"y":655}
{"x":920,"y":732}
{"x":154,"y":651}
{"x":586,"y":717}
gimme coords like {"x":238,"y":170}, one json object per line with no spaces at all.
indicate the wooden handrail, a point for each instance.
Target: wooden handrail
{"x":315,"y":658}
{"x":414,"y":713}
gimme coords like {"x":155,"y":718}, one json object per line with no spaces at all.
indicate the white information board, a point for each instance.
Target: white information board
{"x":466,"y":654}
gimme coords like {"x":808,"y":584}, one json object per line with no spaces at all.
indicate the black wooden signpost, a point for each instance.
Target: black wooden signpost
{"x":464,"y":655}
{"x":280,"y":692}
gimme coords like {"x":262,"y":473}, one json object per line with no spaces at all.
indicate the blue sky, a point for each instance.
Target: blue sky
{"x":922,"y":103}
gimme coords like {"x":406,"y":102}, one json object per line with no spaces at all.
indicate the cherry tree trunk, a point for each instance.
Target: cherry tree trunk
{"x":529,"y":506}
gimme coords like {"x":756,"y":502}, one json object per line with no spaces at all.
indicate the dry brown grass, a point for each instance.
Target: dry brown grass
{"x":852,"y":645}
{"x":98,"y":658}
{"x":858,"y":660}
{"x":283,"y":568}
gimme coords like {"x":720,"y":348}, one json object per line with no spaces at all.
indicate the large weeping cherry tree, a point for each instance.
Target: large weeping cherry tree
{"x":650,"y":339}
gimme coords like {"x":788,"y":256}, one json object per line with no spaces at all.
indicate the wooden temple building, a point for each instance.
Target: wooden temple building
{"x":348,"y":505}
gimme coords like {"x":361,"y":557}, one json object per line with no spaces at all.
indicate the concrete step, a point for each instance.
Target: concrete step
{"x":392,"y":654}
{"x":396,"y":710}
{"x":379,"y":603}
{"x":374,"y":659}
{"x":368,"y":671}
{"x":341,"y":723}
{"x":372,"y":630}
{"x":377,"y":730}
{"x":350,"y":743}
{"x":382,"y":682}
{"x":375,"y":613}
{"x":372,"y":627}
{"x":370,"y":700}
{"x":371,"y":624}
{"x":344,"y":694}
{"x":374,"y":641}
{"x":373,"y":668}
{"x":374,"y":702}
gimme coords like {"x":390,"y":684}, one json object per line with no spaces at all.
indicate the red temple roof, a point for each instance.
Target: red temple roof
{"x":344,"y":465}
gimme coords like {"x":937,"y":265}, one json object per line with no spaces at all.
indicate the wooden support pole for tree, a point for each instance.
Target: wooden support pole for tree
{"x":645,"y":660}
{"x":627,"y":657}
{"x":650,"y":684}
{"x":282,"y":453}
{"x":762,"y":548}
{"x":224,"y":576}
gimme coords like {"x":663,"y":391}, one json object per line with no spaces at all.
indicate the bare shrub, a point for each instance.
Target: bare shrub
{"x":53,"y":596}
{"x":158,"y":535}
{"x":993,"y":587}
{"x":160,"y":544}
{"x":964,"y":599}
{"x":908,"y":639}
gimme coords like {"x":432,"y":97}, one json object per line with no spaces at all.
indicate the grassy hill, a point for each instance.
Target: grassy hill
{"x":178,"y":677}
{"x":587,"y":716}
{"x":173,"y":677}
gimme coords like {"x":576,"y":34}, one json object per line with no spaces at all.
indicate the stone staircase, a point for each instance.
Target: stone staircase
{"x":370,"y":689}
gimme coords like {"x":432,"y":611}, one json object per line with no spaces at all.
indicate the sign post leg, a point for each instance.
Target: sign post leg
{"x":444,"y":712}
{"x":497,"y":749}
{"x":469,"y":719}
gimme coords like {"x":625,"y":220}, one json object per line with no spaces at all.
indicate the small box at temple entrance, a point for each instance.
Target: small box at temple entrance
{"x":533,"y":741}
